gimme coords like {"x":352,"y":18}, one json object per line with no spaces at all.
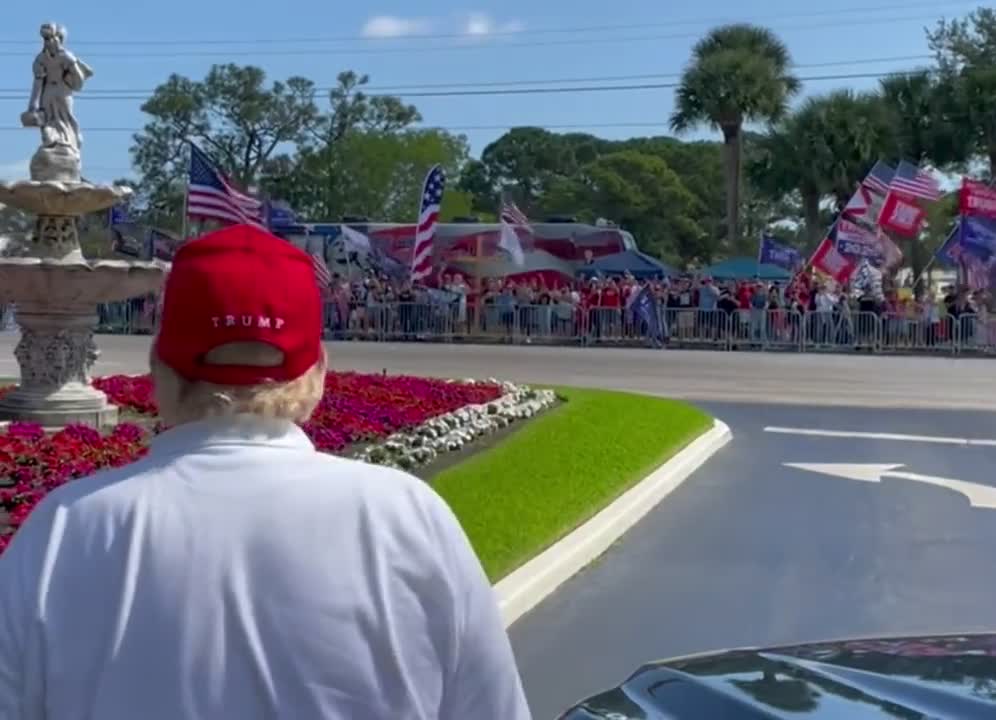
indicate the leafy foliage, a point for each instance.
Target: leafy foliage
{"x":738,"y":73}
{"x":352,"y":153}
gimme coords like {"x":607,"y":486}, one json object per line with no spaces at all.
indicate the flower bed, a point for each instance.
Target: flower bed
{"x":399,"y":421}
{"x":453,"y":431}
{"x":355,"y":408}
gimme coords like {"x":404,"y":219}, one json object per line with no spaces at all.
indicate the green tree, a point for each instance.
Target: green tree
{"x":375,"y":173}
{"x":738,"y":74}
{"x":15,"y":231}
{"x":920,"y":106}
{"x":526,"y":160}
{"x":232,"y":114}
{"x":348,"y":151}
{"x":541,"y":171}
{"x":699,"y":165}
{"x":641,"y":193}
{"x":824,"y":148}
{"x":778,"y":168}
{"x":965,"y":50}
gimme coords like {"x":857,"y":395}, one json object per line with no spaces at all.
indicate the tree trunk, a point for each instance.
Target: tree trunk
{"x":731,"y":146}
{"x":811,"y":216}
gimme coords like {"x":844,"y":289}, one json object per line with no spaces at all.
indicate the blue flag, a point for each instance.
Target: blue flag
{"x":280,"y":215}
{"x":119,"y":215}
{"x":979,"y":235}
{"x":644,"y":310}
{"x":950,"y":252}
{"x":775,"y":253}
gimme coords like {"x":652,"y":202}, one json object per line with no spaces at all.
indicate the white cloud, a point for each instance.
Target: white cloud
{"x":390,"y":26}
{"x":481,"y":25}
{"x":18,"y":170}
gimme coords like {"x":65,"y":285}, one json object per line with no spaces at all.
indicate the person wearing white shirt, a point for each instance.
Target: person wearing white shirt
{"x":235,"y":573}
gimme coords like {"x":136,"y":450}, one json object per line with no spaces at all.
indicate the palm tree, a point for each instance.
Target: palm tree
{"x":921,"y":114}
{"x":841,"y":135}
{"x":738,"y":74}
{"x":779,"y":166}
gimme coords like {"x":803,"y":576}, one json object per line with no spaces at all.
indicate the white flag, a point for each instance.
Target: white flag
{"x":355,"y":240}
{"x":509,"y":242}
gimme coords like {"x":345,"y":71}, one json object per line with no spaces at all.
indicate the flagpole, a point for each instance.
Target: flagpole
{"x":186,"y":195}
{"x":760,"y":249}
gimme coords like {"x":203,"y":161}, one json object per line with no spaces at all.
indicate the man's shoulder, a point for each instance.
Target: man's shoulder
{"x":103,"y":484}
{"x":378,"y":484}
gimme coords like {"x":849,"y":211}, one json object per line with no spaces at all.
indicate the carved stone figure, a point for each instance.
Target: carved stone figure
{"x":57,"y":75}
{"x":54,"y":288}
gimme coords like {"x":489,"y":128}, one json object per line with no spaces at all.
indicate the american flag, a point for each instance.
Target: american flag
{"x":322,"y":275}
{"x":511,"y":214}
{"x":428,"y":218}
{"x":880,"y":178}
{"x":211,"y":196}
{"x":911,"y":180}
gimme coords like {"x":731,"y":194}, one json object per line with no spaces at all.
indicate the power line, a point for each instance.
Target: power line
{"x":448,"y":128}
{"x":862,"y":10}
{"x":563,"y":90}
{"x":128,"y":94}
{"x":583,"y":88}
{"x":256,"y":53}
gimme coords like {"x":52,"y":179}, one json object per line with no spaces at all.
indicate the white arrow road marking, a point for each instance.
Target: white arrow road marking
{"x":982,"y":496}
{"x":943,"y":440}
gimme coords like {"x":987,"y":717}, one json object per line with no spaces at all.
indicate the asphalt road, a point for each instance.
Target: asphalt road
{"x":807,"y":379}
{"x":750,"y":552}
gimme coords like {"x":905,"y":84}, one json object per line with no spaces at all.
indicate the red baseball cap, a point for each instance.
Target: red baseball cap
{"x":240,"y":284}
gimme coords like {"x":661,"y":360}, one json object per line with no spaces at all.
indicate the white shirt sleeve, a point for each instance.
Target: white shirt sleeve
{"x":484,"y":680}
{"x":21,"y":680}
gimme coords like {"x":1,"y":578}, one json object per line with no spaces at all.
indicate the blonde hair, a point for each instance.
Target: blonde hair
{"x":181,"y":400}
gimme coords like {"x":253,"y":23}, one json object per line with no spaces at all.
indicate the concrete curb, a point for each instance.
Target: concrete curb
{"x":525,"y":588}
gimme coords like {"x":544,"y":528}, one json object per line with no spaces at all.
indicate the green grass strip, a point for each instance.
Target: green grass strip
{"x":539,"y":483}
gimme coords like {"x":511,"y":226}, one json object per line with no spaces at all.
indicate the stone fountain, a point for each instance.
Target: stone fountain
{"x":55,"y":289}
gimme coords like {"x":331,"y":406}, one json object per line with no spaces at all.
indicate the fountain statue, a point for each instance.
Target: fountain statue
{"x":55,"y":289}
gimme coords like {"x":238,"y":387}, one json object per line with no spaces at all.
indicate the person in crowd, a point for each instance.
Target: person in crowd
{"x":235,"y":572}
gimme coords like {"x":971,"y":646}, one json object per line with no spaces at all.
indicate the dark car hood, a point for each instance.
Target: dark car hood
{"x":950,"y":676}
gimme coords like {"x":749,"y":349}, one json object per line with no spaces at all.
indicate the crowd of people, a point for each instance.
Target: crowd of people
{"x":595,"y":309}
{"x":535,"y":306}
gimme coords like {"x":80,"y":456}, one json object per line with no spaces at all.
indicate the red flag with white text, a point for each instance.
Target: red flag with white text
{"x":977,"y":199}
{"x":901,"y":215}
{"x":830,"y":262}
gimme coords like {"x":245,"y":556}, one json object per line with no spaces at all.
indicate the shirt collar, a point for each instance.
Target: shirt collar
{"x":251,"y":430}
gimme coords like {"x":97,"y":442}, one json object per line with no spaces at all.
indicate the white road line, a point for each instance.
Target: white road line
{"x":940,"y":440}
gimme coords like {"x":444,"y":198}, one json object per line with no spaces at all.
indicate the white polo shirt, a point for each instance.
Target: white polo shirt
{"x":236,"y":573}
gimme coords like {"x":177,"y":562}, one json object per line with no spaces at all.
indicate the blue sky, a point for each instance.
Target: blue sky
{"x":128,"y":45}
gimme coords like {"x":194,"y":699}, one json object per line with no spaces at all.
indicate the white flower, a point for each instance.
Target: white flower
{"x":452,"y":431}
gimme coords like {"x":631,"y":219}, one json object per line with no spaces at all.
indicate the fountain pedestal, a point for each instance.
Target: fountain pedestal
{"x":56,"y":353}
{"x":56,"y":291}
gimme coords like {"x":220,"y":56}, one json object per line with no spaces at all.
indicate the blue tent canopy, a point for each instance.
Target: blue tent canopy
{"x":634,"y":262}
{"x":742,"y":268}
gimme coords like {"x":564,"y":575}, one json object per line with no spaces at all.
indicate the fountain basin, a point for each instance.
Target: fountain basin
{"x":56,"y":312}
{"x":62,"y":199}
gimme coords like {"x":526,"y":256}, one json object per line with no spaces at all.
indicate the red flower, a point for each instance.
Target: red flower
{"x":355,"y":408}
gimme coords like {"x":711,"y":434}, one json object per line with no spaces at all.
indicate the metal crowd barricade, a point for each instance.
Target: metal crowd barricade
{"x":607,"y":326}
{"x":906,"y":333}
{"x":563,"y":323}
{"x":783,"y":330}
{"x":690,"y":327}
{"x":549,"y":323}
{"x":131,"y":317}
{"x":974,"y":334}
